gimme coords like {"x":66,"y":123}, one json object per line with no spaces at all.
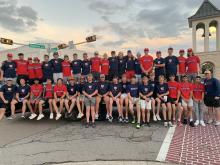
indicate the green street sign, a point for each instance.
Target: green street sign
{"x":38,"y":46}
{"x":54,"y":49}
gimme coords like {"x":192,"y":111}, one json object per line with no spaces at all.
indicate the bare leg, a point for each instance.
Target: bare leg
{"x":2,"y":113}
{"x":61,"y":105}
{"x":164,"y":112}
{"x":13,"y":103}
{"x":98,"y":99}
{"x":87,"y":113}
{"x":143,"y":115}
{"x":148,"y":115}
{"x":72,"y":105}
{"x":93,"y":113}
{"x":66,"y":102}
{"x":55,"y":106}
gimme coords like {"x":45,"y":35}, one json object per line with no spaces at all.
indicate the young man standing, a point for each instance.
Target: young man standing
{"x":187,"y":102}
{"x":198,"y":97}
{"x":130,"y":64}
{"x":121,"y":64}
{"x":21,"y":68}
{"x":66,"y":68}
{"x":95,"y":66}
{"x":90,"y":91}
{"x":57,"y":67}
{"x":182,"y":64}
{"x":38,"y":69}
{"x":159,"y":64}
{"x":212,"y":97}
{"x":105,"y":66}
{"x":31,"y":71}
{"x":137,"y":68}
{"x":47,"y":69}
{"x":86,"y":65}
{"x":113,"y":65}
{"x":146,"y":62}
{"x":171,"y":64}
{"x":76,"y":67}
{"x":133,"y":99}
{"x":8,"y":69}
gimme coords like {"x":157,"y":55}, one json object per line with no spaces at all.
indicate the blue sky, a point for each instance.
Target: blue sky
{"x":120,"y":25}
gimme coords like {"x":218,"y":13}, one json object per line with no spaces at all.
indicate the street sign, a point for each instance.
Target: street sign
{"x":39,"y":46}
{"x":54,"y":49}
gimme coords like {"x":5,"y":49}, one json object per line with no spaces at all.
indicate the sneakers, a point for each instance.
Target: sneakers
{"x":185,"y":121}
{"x":33,"y":115}
{"x":158,"y":117}
{"x":210,"y":121}
{"x":120,"y":119}
{"x":51,"y":116}
{"x":126,"y":120}
{"x":165,"y":124}
{"x":87,"y":125}
{"x":191,"y":124}
{"x":154,"y":118}
{"x":133,"y":121}
{"x":22,"y":116}
{"x":58,"y":116}
{"x":41,"y":116}
{"x":93,"y":125}
{"x":196,"y":123}
{"x":138,"y":126}
{"x":202,"y":123}
{"x":110,"y":119}
{"x":96,"y":116}
{"x":11,"y":117}
{"x":170,"y":124}
{"x":107,"y":117}
{"x":80,"y":115}
{"x":217,"y":123}
{"x":148,"y":124}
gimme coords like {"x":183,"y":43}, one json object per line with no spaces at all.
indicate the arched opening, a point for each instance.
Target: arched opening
{"x":200,"y":30}
{"x":213,"y":32}
{"x":208,"y":66}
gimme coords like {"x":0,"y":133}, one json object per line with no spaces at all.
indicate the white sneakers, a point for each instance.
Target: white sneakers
{"x":58,"y":116}
{"x":201,"y":122}
{"x":33,"y":115}
{"x":165,"y":124}
{"x":41,"y":116}
{"x":158,"y":117}
{"x":51,"y":116}
{"x":170,"y":124}
{"x":154,"y":118}
{"x":80,"y":115}
{"x":210,"y":121}
{"x":217,"y":123}
{"x":96,"y":116}
{"x":196,"y":123}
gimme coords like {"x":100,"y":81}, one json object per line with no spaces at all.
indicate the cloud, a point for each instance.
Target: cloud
{"x":114,"y":43}
{"x":17,"y":18}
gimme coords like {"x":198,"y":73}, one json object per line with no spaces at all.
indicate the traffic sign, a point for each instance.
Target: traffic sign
{"x":39,"y":46}
{"x":54,"y":49}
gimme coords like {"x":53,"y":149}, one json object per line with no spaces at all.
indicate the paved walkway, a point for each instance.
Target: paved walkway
{"x":196,"y":146}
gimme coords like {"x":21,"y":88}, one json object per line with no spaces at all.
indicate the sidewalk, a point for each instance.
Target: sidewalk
{"x":118,"y":163}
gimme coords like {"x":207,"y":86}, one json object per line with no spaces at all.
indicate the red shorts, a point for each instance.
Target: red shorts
{"x":130,"y":74}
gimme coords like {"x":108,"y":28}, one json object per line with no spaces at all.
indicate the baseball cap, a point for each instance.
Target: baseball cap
{"x":9,"y":55}
{"x":190,"y":50}
{"x":146,"y":49}
{"x":182,"y":51}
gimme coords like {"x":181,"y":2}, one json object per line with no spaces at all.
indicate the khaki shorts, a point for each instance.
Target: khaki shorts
{"x":134,"y":100}
{"x":145,"y":105}
{"x":189,"y":104}
{"x":89,"y":101}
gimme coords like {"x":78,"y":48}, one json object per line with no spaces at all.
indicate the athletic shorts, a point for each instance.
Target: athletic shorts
{"x":145,"y":105}
{"x":89,"y":101}
{"x":124,"y":95}
{"x":164,"y":101}
{"x":81,"y":98}
{"x":171,"y":100}
{"x":210,"y":101}
{"x":2,"y":105}
{"x":189,"y":104}
{"x":134,"y":100}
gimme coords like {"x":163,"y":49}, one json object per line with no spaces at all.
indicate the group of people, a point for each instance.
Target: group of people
{"x":172,"y":84}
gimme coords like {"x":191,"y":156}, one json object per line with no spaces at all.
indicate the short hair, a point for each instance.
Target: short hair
{"x":46,"y":55}
{"x":20,"y":54}
{"x":198,"y":77}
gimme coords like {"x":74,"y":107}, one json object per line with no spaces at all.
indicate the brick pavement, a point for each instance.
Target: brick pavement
{"x":197,"y":146}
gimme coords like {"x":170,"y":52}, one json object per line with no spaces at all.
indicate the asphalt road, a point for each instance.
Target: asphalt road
{"x":47,"y":142}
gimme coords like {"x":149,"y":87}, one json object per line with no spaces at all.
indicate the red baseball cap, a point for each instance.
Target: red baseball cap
{"x":146,"y":49}
{"x":182,"y":51}
{"x":9,"y":55}
{"x":29,"y":58}
{"x":190,"y":50}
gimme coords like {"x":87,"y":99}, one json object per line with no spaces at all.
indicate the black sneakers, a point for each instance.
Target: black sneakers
{"x":191,"y":124}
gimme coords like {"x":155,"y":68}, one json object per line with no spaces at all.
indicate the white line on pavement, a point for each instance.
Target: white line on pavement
{"x":165,"y":145}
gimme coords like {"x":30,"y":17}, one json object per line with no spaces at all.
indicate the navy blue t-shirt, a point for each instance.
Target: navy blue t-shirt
{"x":124,"y":87}
{"x":9,"y":69}
{"x":161,"y":70}
{"x":76,"y":66}
{"x":171,"y":63}
{"x":103,"y":88}
{"x":86,"y":66}
{"x":133,"y":89}
{"x":80,"y":88}
{"x":130,"y":64}
{"x":115,"y":89}
{"x":145,"y":89}
{"x":72,"y":89}
{"x":121,"y":66}
{"x":90,"y":88}
{"x":212,"y":87}
{"x":113,"y":64}
{"x":23,"y":91}
{"x":57,"y":65}
{"x":8,"y":91}
{"x":137,"y":67}
{"x":47,"y":68}
{"x":162,"y":88}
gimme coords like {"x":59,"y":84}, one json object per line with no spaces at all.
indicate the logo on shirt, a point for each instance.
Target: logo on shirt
{"x":75,"y":63}
{"x":158,"y":62}
{"x":102,"y":86}
{"x":162,"y":88}
{"x":46,"y":64}
{"x":23,"y":90}
{"x":115,"y":88}
{"x":90,"y":86}
{"x":72,"y":89}
{"x":145,"y":89}
{"x":10,"y":66}
{"x":124,"y":86}
{"x":170,"y":60}
{"x":9,"y":89}
{"x":56,"y":61}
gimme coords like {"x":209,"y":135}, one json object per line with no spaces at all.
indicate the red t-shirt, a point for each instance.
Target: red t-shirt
{"x":31,"y":72}
{"x":59,"y":90}
{"x":96,"y":63}
{"x":185,"y":89}
{"x":38,"y":70}
{"x":182,"y":65}
{"x":36,"y":89}
{"x":22,"y":67}
{"x":198,"y":90}
{"x":66,"y":67}
{"x":173,"y":89}
{"x":104,"y":66}
{"x":192,"y":64}
{"x":48,"y":91}
{"x":147,"y":62}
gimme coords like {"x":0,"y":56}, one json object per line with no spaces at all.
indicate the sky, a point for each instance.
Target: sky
{"x":120,"y":25}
